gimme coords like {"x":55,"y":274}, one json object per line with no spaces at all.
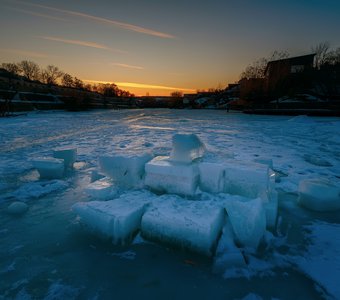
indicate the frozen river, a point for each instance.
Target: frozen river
{"x":46,"y":253}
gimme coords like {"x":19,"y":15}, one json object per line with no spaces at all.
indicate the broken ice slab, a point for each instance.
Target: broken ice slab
{"x":248,"y":220}
{"x":186,"y":148}
{"x":163,"y":175}
{"x":192,"y":225}
{"x":227,"y":254}
{"x":118,"y":219}
{"x":69,"y":155}
{"x":95,"y":175}
{"x":49,"y":167}
{"x":127,"y":171}
{"x":247,"y":179}
{"x":319,"y":195}
{"x":271,"y":209}
{"x":102,"y":189}
{"x":211,"y":177}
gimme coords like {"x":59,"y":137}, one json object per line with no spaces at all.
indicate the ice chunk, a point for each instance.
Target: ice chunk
{"x":102,"y":189}
{"x":271,"y":208}
{"x":95,"y":175}
{"x":186,"y":148}
{"x":319,"y":195}
{"x":249,"y":180}
{"x":49,"y":167}
{"x":265,"y":161}
{"x":127,"y":171}
{"x":227,"y":254}
{"x":17,"y":208}
{"x":211,"y":177}
{"x":118,"y":219}
{"x":193,"y":225}
{"x":69,"y":155}
{"x":248,"y":220}
{"x":165,"y":176}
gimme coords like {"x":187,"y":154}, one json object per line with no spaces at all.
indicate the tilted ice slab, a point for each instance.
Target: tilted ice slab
{"x":126,"y":170}
{"x":163,"y":175}
{"x":49,"y":167}
{"x":69,"y":155}
{"x":319,"y":195}
{"x":186,"y":148}
{"x":102,"y":189}
{"x":118,"y":219}
{"x":193,"y":225}
{"x":248,"y":220}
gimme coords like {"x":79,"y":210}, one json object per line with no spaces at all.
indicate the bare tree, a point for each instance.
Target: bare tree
{"x":333,"y":57}
{"x":77,"y":83}
{"x":321,"y":51}
{"x":29,"y":69}
{"x":177,"y":94}
{"x":257,"y":68}
{"x":51,"y":74}
{"x":11,"y":67}
{"x":67,"y":80}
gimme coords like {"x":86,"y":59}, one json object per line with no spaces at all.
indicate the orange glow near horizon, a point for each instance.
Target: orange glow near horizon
{"x":141,"y":89}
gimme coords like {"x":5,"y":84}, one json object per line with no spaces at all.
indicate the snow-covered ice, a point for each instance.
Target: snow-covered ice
{"x":125,"y":170}
{"x":69,"y":155}
{"x":194,"y":225}
{"x":118,"y":219}
{"x":163,"y":175}
{"x":319,"y":195}
{"x":186,"y":148}
{"x":49,"y":167}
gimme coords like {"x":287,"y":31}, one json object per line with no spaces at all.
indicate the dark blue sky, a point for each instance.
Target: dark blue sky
{"x":173,"y":44}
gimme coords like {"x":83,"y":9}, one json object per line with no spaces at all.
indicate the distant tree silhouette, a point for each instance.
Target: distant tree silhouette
{"x":321,"y":51}
{"x":176,"y":94}
{"x":51,"y":74}
{"x":11,"y":67}
{"x":67,"y":80}
{"x":29,"y":69}
{"x":77,"y":83}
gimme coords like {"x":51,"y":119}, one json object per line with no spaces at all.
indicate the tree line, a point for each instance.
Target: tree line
{"x":52,"y":75}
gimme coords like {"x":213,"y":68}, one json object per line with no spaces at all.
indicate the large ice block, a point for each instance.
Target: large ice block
{"x":186,"y":148}
{"x":192,"y":225}
{"x":319,"y":195}
{"x":102,"y":189}
{"x":248,"y":220}
{"x":162,"y":175}
{"x":49,"y":167}
{"x":69,"y":155}
{"x":271,"y":209}
{"x":127,"y":171}
{"x":118,"y":219}
{"x":247,"y":179}
{"x":211,"y":177}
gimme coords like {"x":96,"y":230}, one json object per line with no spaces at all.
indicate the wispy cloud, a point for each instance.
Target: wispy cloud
{"x":79,"y":43}
{"x":25,"y":53}
{"x":33,"y":13}
{"x":127,"y":66}
{"x":106,"y":21}
{"x":143,"y":86}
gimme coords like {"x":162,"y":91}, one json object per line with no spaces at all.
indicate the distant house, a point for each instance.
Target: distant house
{"x":279,"y":70}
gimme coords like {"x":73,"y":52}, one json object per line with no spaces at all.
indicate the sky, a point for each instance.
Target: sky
{"x":156,"y":47}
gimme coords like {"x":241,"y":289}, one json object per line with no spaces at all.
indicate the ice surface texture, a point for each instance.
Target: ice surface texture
{"x":163,"y":175}
{"x":102,"y":189}
{"x":193,"y":225}
{"x":186,"y":148}
{"x":126,"y":171}
{"x":49,"y":167}
{"x":319,"y":195}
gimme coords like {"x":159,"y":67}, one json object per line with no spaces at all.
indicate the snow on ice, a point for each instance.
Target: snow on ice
{"x":69,"y":155}
{"x":102,"y":189}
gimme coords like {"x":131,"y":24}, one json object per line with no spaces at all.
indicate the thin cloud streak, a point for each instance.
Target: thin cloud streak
{"x":79,"y":43}
{"x":33,"y":13}
{"x":25,"y":53}
{"x":128,"y":66}
{"x":143,"y":86}
{"x":119,"y":24}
